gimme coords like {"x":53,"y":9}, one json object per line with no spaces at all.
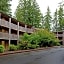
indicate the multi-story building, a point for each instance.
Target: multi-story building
{"x":11,"y":29}
{"x":60,"y":36}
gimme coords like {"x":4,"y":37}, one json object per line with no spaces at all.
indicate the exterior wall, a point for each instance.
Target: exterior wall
{"x":10,"y":29}
{"x":60,"y":36}
{"x":4,"y":43}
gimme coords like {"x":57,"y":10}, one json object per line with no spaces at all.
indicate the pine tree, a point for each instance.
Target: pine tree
{"x":28,"y":12}
{"x":5,"y":6}
{"x":55,"y":21}
{"x":42,"y":22}
{"x":47,"y":20}
{"x":60,"y":17}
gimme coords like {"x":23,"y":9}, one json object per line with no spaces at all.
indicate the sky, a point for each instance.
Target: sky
{"x":43,"y":4}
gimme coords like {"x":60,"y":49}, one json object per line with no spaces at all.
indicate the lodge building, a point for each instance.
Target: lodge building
{"x":11,"y":29}
{"x":60,"y":36}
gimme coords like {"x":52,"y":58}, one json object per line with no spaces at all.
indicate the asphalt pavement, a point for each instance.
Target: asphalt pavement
{"x":50,"y":56}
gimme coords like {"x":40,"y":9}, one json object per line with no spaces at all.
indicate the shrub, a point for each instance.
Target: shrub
{"x":46,"y":38}
{"x":33,"y":46}
{"x":28,"y":41}
{"x":13,"y":47}
{"x":40,"y":38}
{"x":1,"y":48}
{"x":23,"y":45}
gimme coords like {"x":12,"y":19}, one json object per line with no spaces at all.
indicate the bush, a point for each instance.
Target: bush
{"x":13,"y":47}
{"x":1,"y":48}
{"x":23,"y":45}
{"x":28,"y":41}
{"x":46,"y":38}
{"x":33,"y":46}
{"x":40,"y":38}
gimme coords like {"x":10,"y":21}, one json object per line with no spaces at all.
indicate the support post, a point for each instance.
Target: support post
{"x":33,"y":29}
{"x":0,"y":18}
{"x":26,"y":28}
{"x":9,"y":31}
{"x":18,"y":33}
{"x":63,"y":37}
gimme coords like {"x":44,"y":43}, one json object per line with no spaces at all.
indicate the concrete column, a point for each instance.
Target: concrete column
{"x":9,"y":30}
{"x":26,"y":28}
{"x":18,"y":33}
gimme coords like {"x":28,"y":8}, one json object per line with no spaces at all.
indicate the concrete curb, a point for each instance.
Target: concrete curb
{"x":21,"y":51}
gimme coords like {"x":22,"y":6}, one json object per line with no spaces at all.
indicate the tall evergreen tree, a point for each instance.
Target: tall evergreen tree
{"x":28,"y":12}
{"x":47,"y":20}
{"x":55,"y":21}
{"x":5,"y":6}
{"x":60,"y":17}
{"x":42,"y":22}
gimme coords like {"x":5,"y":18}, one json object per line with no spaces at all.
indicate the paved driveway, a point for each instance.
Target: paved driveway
{"x":51,"y":56}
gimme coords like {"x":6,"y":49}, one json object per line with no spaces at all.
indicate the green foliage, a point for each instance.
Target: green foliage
{"x":5,"y":6}
{"x":28,"y":42}
{"x":23,"y":45}
{"x":46,"y":38}
{"x":60,"y":17}
{"x":40,"y":38}
{"x":1,"y":48}
{"x":13,"y":47}
{"x":47,"y":20}
{"x":28,"y":11}
{"x":55,"y":21}
{"x":24,"y":41}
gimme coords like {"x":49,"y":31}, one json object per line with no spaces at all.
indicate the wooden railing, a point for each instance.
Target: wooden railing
{"x":6,"y":36}
{"x":59,"y":35}
{"x":5,"y":23}
{"x":29,"y":30}
{"x":22,"y":29}
{"x":13,"y":26}
{"x":13,"y":37}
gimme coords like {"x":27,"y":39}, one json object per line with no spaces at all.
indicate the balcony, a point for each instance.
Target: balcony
{"x":22,"y":29}
{"x":29,"y":30}
{"x":59,"y":35}
{"x":5,"y":23}
{"x":13,"y":26}
{"x":6,"y":36}
{"x":13,"y":37}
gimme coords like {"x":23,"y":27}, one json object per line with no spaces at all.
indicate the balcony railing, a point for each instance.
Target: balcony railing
{"x":13,"y":37}
{"x":29,"y":30}
{"x":6,"y":36}
{"x":13,"y":26}
{"x":5,"y":23}
{"x":59,"y":35}
{"x":22,"y":29}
